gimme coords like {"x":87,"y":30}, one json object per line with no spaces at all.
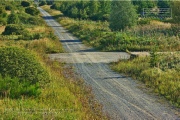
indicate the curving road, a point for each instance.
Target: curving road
{"x":121,"y":96}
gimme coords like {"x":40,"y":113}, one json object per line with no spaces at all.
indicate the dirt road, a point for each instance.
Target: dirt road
{"x":121,"y":97}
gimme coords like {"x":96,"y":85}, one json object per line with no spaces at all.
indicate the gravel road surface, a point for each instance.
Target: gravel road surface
{"x":121,"y":97}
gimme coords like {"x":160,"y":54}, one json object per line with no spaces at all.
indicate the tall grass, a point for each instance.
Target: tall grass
{"x":163,"y":78}
{"x":140,"y":38}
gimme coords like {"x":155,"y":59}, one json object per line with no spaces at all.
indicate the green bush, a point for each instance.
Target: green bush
{"x":32,"y":11}
{"x":2,"y":10}
{"x":25,"y":4}
{"x":13,"y":19}
{"x":14,"y":29}
{"x":35,"y":21}
{"x":143,"y":21}
{"x":42,"y":3}
{"x":16,"y":88}
{"x":8,"y":7}
{"x":20,"y":63}
{"x":29,"y":36}
{"x":175,"y":30}
{"x":23,"y":18}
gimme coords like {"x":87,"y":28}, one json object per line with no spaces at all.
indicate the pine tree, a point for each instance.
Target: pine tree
{"x":123,"y":14}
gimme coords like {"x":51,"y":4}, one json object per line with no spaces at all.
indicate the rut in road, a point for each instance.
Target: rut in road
{"x":120,"y":96}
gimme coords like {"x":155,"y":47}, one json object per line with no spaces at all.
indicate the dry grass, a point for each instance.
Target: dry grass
{"x":160,"y":25}
{"x":8,"y":12}
{"x":154,"y":25}
{"x":2,"y":28}
{"x":52,"y":12}
{"x":37,"y":29}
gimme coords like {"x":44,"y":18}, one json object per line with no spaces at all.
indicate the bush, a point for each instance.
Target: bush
{"x":13,"y":19}
{"x":15,"y":88}
{"x":42,"y":3}
{"x":32,"y":11}
{"x":8,"y":7}
{"x":25,"y":4}
{"x":35,"y":21}
{"x":22,"y":64}
{"x":23,"y":18}
{"x":2,"y":10}
{"x":175,"y":29}
{"x":143,"y":21}
{"x":2,"y":22}
{"x":14,"y":29}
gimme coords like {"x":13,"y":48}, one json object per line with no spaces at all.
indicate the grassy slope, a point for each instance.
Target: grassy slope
{"x":61,"y":98}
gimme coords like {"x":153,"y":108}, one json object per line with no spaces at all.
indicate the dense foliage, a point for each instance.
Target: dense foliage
{"x":32,"y":11}
{"x":122,"y":15}
{"x":13,"y":19}
{"x":140,"y":38}
{"x":176,"y":11}
{"x":22,"y":75}
{"x":25,"y":3}
{"x":20,"y":63}
{"x":95,"y":10}
{"x":14,"y":29}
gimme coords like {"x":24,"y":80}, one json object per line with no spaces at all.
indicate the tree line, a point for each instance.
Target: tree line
{"x":119,"y":13}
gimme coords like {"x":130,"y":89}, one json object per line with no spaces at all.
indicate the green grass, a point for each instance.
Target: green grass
{"x":163,"y":78}
{"x":60,"y":98}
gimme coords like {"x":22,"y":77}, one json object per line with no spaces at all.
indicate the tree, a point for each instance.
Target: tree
{"x":74,"y":12}
{"x":144,"y":4}
{"x":163,"y":4}
{"x":94,"y":9}
{"x":175,"y":5}
{"x":13,"y":19}
{"x":123,"y":14}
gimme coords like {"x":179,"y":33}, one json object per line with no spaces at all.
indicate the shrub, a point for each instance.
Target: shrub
{"x":20,"y":63}
{"x":13,"y":19}
{"x":3,"y":15}
{"x":55,"y":6}
{"x":42,"y":3}
{"x":8,"y":7}
{"x":23,"y":18}
{"x":143,"y":21}
{"x":2,"y":10}
{"x":32,"y":11}
{"x":35,"y":21}
{"x":25,"y":4}
{"x":2,"y":22}
{"x":175,"y":29}
{"x":15,"y":88}
{"x":14,"y":29}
